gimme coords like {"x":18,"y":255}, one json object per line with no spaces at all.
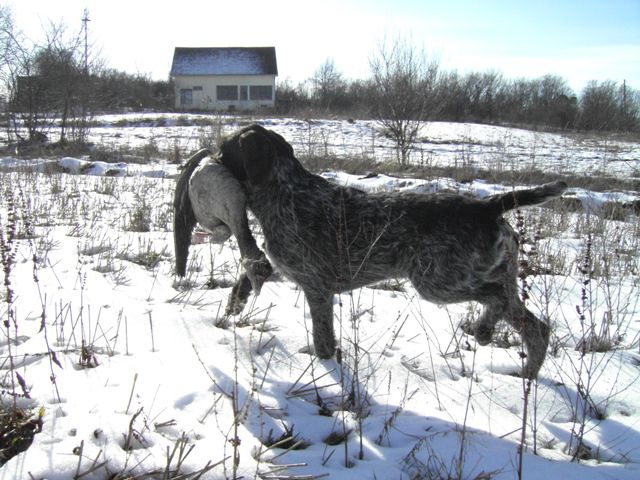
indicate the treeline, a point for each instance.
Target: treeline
{"x":53,"y":88}
{"x":487,"y":97}
{"x":63,"y":97}
{"x":118,"y":91}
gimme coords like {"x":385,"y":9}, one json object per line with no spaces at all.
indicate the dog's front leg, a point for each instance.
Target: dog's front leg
{"x":321,"y":309}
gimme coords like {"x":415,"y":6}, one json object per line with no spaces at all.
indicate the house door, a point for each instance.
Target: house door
{"x":186,"y":97}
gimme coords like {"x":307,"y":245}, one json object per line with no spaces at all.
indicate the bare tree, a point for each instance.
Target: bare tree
{"x":61,"y":69}
{"x":48,"y":84}
{"x":405,"y":82}
{"x":328,"y":84}
{"x":599,"y":106}
{"x":6,"y":33}
{"x":25,"y":121}
{"x":629,"y":108}
{"x":481,"y":91}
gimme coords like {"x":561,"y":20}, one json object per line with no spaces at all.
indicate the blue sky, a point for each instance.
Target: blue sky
{"x":580,"y":40}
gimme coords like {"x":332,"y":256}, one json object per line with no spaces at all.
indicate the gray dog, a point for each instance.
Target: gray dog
{"x":330,"y":239}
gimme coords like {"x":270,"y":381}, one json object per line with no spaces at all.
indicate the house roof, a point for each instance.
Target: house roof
{"x":224,"y":61}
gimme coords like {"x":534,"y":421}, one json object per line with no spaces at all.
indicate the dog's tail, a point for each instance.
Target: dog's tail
{"x":183,"y":217}
{"x":521,"y":198}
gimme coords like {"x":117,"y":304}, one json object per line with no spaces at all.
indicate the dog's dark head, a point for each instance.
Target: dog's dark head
{"x":256,"y":155}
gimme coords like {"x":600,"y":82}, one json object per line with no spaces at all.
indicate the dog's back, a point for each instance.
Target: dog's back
{"x":318,"y":232}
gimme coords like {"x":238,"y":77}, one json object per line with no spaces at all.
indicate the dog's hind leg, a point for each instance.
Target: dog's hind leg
{"x":321,"y":309}
{"x":534,"y":332}
{"x":535,"y":336}
{"x":483,"y":328}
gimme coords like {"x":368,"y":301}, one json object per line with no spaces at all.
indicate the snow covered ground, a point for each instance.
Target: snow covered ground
{"x":440,"y":143}
{"x":123,"y":363}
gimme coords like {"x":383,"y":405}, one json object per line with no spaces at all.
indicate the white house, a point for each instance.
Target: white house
{"x":229,"y":78}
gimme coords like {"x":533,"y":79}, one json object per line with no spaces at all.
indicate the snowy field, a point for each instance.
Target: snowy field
{"x":440,"y":143}
{"x":128,"y":373}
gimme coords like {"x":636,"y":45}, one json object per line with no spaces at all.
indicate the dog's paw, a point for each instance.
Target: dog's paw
{"x":325,"y":350}
{"x":482,"y":333}
{"x":238,"y":296}
{"x":235,"y":306}
{"x":326,"y":355}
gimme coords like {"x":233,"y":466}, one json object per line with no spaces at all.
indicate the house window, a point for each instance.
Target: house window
{"x":261,"y":92}
{"x":244,"y":92}
{"x":227,"y":92}
{"x":197,"y":88}
{"x":186,"y":96}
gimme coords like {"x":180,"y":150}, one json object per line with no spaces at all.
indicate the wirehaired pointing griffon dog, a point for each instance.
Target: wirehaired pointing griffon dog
{"x":330,"y":239}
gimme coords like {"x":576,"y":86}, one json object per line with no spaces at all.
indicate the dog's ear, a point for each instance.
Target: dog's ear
{"x":258,"y":155}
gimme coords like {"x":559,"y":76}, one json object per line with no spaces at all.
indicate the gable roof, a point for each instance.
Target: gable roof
{"x":224,"y":61}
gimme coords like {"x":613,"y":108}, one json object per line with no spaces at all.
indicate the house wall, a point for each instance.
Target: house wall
{"x":203,"y":92}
